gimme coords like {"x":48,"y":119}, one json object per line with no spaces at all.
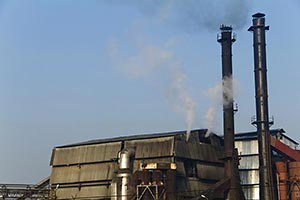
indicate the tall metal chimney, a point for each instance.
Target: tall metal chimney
{"x":266,"y":188}
{"x":226,"y":39}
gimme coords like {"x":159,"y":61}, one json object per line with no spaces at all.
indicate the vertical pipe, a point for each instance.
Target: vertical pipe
{"x":124,"y":186}
{"x":114,"y":190}
{"x":266,"y":190}
{"x":125,"y":170}
{"x":226,"y":40}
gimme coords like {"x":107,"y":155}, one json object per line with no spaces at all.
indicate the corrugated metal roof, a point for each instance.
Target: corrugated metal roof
{"x":149,"y":148}
{"x":253,"y":135}
{"x":200,"y":152}
{"x":86,"y":154}
{"x":83,"y":173}
{"x":134,"y":137}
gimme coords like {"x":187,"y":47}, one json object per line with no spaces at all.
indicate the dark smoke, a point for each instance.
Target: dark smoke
{"x":194,"y":15}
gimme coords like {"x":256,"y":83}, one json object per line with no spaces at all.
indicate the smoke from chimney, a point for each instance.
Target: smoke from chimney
{"x":193,"y":15}
{"x":189,"y":16}
{"x":152,"y":62}
{"x":215,"y":95}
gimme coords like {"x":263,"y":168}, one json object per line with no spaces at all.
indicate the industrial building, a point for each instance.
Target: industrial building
{"x":148,"y":166}
{"x":165,"y":166}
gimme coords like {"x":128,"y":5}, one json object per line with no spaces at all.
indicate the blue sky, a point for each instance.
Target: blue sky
{"x":72,"y":71}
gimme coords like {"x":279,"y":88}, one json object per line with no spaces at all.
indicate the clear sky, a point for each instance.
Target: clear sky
{"x":73,"y":71}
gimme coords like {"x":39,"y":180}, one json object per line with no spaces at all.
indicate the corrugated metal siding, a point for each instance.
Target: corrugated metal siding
{"x":148,"y":148}
{"x":181,"y":185}
{"x":103,"y":171}
{"x":66,"y":174}
{"x":248,"y":165}
{"x":195,"y":187}
{"x":251,"y":192}
{"x":247,"y":147}
{"x":249,"y":177}
{"x":91,"y":192}
{"x":86,"y":154}
{"x":180,"y":168}
{"x":83,"y":173}
{"x":210,"y":172}
{"x":249,"y":162}
{"x":197,"y":151}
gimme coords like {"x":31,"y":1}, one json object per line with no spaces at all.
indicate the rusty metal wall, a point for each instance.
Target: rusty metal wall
{"x":90,"y":192}
{"x":77,"y":169}
{"x":83,"y":173}
{"x":198,"y":151}
{"x":85,"y":154}
{"x":195,"y":187}
{"x":210,"y":172}
{"x":152,"y":148}
{"x":180,"y":168}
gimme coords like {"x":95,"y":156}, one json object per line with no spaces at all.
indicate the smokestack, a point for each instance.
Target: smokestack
{"x":226,"y":39}
{"x":266,"y":190}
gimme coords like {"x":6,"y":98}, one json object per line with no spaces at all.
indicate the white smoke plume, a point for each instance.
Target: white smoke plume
{"x":152,"y":60}
{"x":229,"y":87}
{"x":210,"y":118}
{"x":194,"y":15}
{"x":183,"y":101}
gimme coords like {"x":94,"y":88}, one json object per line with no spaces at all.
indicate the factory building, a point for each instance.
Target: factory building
{"x":168,"y":166}
{"x":148,"y":166}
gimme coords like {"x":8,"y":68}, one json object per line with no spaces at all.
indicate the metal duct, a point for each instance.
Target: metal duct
{"x":114,"y":189}
{"x":124,"y":157}
{"x":124,"y":172}
{"x":266,"y":188}
{"x":226,"y":39}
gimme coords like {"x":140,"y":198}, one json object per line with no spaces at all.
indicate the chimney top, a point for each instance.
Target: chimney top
{"x":225,"y":28}
{"x":258,"y":15}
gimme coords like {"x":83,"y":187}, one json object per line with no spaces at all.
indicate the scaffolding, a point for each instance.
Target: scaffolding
{"x":23,"y":191}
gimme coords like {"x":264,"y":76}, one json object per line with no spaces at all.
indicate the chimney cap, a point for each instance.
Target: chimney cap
{"x":224,"y":27}
{"x":258,"y":15}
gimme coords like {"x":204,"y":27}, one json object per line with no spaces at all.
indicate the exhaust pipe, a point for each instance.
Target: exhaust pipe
{"x":266,"y":188}
{"x":226,"y":39}
{"x":119,"y":188}
{"x":125,"y":170}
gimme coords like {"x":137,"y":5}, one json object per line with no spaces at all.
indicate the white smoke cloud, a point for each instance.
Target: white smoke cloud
{"x":180,"y":96}
{"x":210,"y":118}
{"x":151,"y":60}
{"x":228,"y":86}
